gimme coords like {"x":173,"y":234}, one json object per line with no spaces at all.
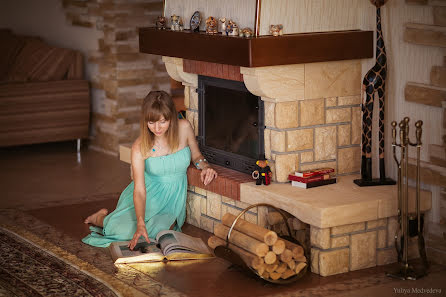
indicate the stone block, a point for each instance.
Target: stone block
{"x":301,"y":139}
{"x":333,"y":262}
{"x":270,"y":108}
{"x":207,"y":224}
{"x":187,"y":96}
{"x":344,"y":135}
{"x":328,"y":79}
{"x":386,"y":256}
{"x":134,"y":74}
{"x":349,"y":100}
{"x":330,"y":102}
{"x":392,"y":228}
{"x":377,"y":223}
{"x":267,"y":140}
{"x":213,"y":208}
{"x":232,"y":210}
{"x":312,"y":112}
{"x":200,"y":191}
{"x":315,"y":260}
{"x":286,"y":115}
{"x":356,"y":125}
{"x":282,"y":82}
{"x":227,"y":200}
{"x":285,"y":165}
{"x":349,"y":159}
{"x":193,"y":212}
{"x":363,"y":250}
{"x":262,"y":213}
{"x":306,"y":157}
{"x":338,"y":115}
{"x":243,"y":205}
{"x":252,"y":218}
{"x":193,"y":103}
{"x":278,"y":141}
{"x":345,"y":229}
{"x":382,"y":238}
{"x":303,"y":167}
{"x":325,"y":143}
{"x":341,"y":241}
{"x":320,"y":237}
{"x":203,"y":205}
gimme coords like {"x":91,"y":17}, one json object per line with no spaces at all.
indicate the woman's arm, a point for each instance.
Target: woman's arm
{"x":139,"y":194}
{"x":207,"y":172}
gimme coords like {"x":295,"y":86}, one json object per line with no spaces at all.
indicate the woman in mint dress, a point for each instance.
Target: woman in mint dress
{"x":156,"y":198}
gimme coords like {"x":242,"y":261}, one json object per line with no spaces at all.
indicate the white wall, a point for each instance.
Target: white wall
{"x":46,"y":18}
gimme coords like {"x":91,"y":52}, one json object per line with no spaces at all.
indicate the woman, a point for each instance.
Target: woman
{"x":156,"y":199}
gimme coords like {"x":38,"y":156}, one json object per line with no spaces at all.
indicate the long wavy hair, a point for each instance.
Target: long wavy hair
{"x":158,"y":104}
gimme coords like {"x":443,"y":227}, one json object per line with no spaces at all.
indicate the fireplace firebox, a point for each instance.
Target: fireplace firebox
{"x":231,"y":123}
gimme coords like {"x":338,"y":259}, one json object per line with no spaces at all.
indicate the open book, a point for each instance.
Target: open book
{"x":168,"y":245}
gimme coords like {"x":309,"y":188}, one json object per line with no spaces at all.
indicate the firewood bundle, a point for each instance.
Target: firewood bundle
{"x":272,"y":257}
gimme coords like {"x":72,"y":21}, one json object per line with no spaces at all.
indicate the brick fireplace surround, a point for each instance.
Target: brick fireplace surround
{"x":312,"y":119}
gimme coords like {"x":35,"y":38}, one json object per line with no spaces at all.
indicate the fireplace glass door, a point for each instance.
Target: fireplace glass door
{"x":231,"y":124}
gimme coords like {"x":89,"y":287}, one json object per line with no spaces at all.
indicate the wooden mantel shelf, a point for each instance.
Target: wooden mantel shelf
{"x":258,"y":51}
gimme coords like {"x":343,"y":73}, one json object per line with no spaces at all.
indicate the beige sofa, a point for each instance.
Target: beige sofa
{"x":43,"y":96}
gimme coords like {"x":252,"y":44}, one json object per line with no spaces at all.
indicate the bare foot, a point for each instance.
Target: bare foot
{"x":93,"y":218}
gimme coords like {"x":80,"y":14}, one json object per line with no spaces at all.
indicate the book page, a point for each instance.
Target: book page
{"x":176,"y":242}
{"x":143,"y":252}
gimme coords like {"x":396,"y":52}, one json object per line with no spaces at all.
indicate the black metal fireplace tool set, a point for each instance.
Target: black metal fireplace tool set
{"x":410,"y":225}
{"x":225,"y":252}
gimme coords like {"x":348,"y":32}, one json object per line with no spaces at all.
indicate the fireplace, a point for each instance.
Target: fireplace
{"x":231,"y":123}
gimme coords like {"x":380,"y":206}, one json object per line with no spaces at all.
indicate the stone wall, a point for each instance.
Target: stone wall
{"x":356,"y":246}
{"x":124,"y":76}
{"x":307,"y":134}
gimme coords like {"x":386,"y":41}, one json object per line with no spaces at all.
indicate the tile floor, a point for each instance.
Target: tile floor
{"x":47,"y":181}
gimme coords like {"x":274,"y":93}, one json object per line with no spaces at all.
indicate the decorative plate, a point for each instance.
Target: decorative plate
{"x":195,"y":21}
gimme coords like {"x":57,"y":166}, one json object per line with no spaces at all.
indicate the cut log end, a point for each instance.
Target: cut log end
{"x":270,"y":257}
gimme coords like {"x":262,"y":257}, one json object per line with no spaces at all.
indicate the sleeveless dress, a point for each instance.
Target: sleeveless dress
{"x":166,"y":192}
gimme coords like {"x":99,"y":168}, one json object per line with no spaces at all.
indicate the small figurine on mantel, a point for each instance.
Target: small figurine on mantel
{"x":195,"y":21}
{"x":246,"y":32}
{"x":211,"y":25}
{"x":231,"y":28}
{"x":176,"y":23}
{"x":160,"y":23}
{"x":263,"y":173}
{"x":223,"y":25}
{"x":276,"y":30}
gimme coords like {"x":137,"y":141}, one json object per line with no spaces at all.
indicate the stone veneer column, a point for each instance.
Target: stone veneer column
{"x":312,"y":115}
{"x":124,"y":76}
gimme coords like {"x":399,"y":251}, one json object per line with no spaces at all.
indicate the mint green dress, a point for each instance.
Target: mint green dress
{"x":166,"y":192}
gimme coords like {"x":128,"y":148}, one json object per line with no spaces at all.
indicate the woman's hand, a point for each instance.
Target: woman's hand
{"x":207,"y":175}
{"x":140,"y":231}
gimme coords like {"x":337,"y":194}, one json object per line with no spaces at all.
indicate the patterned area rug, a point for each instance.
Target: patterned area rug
{"x":33,"y":237}
{"x":22,"y":261}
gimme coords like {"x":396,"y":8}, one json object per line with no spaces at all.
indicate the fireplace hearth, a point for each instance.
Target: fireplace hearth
{"x":231,"y":123}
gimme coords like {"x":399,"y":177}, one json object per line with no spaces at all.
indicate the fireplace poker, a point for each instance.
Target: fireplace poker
{"x":406,"y":222}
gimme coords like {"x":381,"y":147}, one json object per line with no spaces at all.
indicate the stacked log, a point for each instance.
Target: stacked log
{"x":272,"y":257}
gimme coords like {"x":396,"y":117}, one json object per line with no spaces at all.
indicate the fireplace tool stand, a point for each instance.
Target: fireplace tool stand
{"x":225,"y":252}
{"x":410,"y":225}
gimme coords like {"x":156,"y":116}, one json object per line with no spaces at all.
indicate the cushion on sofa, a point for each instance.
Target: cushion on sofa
{"x":38,"y":61}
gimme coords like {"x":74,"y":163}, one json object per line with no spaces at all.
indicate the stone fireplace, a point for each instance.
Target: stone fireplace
{"x":310,"y":86}
{"x":312,"y":119}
